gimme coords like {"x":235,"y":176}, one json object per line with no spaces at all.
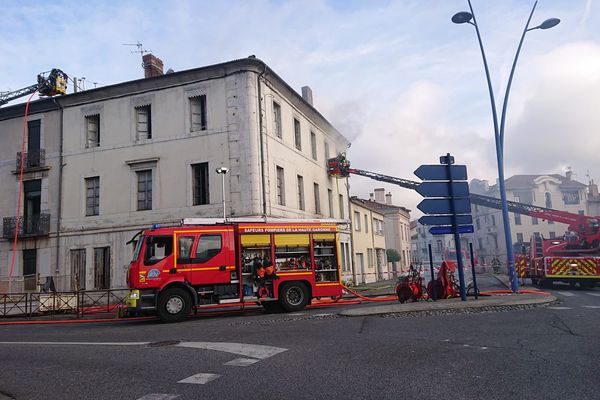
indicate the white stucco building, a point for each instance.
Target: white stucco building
{"x":123,"y":157}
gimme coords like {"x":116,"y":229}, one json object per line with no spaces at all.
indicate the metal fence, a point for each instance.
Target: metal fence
{"x":76,"y":304}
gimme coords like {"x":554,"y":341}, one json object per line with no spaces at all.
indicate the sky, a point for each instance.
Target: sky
{"x":397,"y":78}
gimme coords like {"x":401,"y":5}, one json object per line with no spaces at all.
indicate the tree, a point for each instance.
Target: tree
{"x":392,"y":255}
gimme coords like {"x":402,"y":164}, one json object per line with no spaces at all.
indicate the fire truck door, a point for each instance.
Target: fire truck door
{"x":212,"y":258}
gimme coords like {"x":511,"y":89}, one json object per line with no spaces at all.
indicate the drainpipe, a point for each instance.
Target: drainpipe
{"x":60,"y":180}
{"x":262,"y":145}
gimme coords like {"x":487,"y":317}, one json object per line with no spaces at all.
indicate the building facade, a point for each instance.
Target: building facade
{"x":126,"y":156}
{"x":368,"y":242}
{"x":550,"y":191}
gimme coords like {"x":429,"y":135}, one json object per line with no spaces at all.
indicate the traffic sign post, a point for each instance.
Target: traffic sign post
{"x":449,"y":208}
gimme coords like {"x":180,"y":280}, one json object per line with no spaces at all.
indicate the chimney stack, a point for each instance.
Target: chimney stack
{"x":569,"y":174}
{"x":380,"y":195}
{"x":307,"y":94}
{"x":371,"y":197}
{"x":153,"y":66}
{"x":388,"y":199}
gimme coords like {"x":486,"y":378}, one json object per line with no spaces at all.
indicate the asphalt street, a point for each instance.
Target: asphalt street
{"x":546,"y":352}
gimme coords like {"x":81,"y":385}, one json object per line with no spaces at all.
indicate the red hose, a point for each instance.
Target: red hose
{"x":387,"y":298}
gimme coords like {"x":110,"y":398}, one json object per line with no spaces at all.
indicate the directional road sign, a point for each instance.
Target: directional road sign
{"x":440,"y":172}
{"x":445,"y":230}
{"x":444,"y":206}
{"x":445,"y":220}
{"x":442,"y":189}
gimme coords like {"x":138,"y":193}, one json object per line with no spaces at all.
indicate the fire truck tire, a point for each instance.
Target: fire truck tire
{"x":293,"y":296}
{"x":174,"y":305}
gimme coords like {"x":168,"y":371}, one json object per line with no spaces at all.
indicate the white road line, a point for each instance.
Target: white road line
{"x":200,"y":379}
{"x":158,"y":396}
{"x":566,"y":294}
{"x":593,"y":294}
{"x":560,"y":308}
{"x":242,"y":362}
{"x":591,"y":306}
{"x":242,"y":349}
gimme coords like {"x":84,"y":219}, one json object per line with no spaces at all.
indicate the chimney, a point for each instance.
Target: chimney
{"x":380,"y":195}
{"x":153,"y":66}
{"x":307,"y":94}
{"x":593,"y":190}
{"x":569,"y":174}
{"x":371,"y":197}
{"x":388,"y":199}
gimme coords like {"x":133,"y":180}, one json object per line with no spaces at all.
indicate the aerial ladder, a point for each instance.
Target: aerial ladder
{"x":48,"y":84}
{"x":583,"y":235}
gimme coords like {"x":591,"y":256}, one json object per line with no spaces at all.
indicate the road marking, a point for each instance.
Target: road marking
{"x":158,"y":396}
{"x":242,"y":349}
{"x":242,"y":362}
{"x":566,"y":294}
{"x":593,"y":294}
{"x":200,"y":379}
{"x":82,"y":343}
{"x":560,"y":308}
{"x":591,"y":306}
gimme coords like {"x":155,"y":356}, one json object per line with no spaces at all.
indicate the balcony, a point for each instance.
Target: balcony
{"x":34,"y":226}
{"x":33,"y":161}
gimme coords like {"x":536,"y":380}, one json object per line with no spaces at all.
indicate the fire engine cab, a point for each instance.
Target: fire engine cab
{"x":280,"y":264}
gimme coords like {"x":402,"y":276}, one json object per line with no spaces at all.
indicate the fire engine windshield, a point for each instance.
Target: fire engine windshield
{"x":138,"y":248}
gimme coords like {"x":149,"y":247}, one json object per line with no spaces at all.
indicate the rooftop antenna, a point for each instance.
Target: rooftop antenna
{"x":140,"y":50}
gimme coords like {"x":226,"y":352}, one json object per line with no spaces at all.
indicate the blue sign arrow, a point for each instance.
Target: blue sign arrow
{"x":442,"y":189}
{"x":440,"y":172}
{"x":444,"y":206}
{"x":445,"y":220}
{"x":446,"y":230}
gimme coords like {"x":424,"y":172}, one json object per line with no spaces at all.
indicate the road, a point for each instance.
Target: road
{"x":540,"y":353}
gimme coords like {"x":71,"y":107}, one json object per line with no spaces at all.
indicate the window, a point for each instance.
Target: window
{"x":357,"y":221}
{"x":370,"y":257}
{"x":301,"y":192}
{"x":519,"y":238}
{"x":550,"y":222}
{"x":330,"y":202}
{"x":200,"y":184}
{"x":552,"y":235}
{"x":341,"y":204}
{"x":480,"y":243}
{"x":144,"y":190}
{"x":78,"y":269}
{"x":198,"y":113}
{"x":571,"y":197}
{"x":477,"y":223}
{"x":34,"y":156}
{"x":317,"y":198}
{"x":277,"y":119}
{"x":102,"y":268}
{"x":517,"y":219}
{"x":92,"y":196}
{"x":439,"y":245}
{"x":280,"y":187}
{"x":208,"y":247}
{"x":32,"y":192}
{"x":493,"y":220}
{"x":143,"y":122}
{"x":92,"y":130}
{"x":548,"y":198}
{"x":297,"y":134}
{"x":366,"y":223}
{"x":343,"y":256}
{"x":534,"y":221}
{"x":157,"y":249}
{"x":326,"y":152}
{"x":581,"y":212}
{"x":377,"y":226}
{"x":495,"y":242}
{"x":313,"y":145}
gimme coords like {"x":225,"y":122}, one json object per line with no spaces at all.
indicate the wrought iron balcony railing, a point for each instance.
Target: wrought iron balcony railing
{"x":33,"y":159}
{"x":32,"y":226}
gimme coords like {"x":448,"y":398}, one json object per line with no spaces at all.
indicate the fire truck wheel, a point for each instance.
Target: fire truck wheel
{"x":174,"y":305}
{"x":293,"y":296}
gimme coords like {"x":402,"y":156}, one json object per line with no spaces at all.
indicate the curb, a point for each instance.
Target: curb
{"x":451,"y":304}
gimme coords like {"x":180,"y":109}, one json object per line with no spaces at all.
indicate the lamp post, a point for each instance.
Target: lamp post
{"x":223,"y":171}
{"x":466,"y":17}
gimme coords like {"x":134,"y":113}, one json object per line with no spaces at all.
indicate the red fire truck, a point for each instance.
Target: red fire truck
{"x":281,"y":264}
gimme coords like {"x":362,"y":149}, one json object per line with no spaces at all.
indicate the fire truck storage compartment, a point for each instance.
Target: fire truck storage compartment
{"x":326,"y":267}
{"x":255,"y":248}
{"x":292,"y":252}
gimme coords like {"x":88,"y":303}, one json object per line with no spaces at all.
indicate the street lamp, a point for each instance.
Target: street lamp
{"x":223,"y":171}
{"x":469,"y":17}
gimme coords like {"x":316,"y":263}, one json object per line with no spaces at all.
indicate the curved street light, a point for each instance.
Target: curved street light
{"x":469,"y":17}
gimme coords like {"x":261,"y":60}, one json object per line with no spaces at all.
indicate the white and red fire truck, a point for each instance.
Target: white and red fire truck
{"x":281,"y":264}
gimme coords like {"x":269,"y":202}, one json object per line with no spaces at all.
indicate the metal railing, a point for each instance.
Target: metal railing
{"x":33,"y":159}
{"x":32,"y":226}
{"x":76,"y":303}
